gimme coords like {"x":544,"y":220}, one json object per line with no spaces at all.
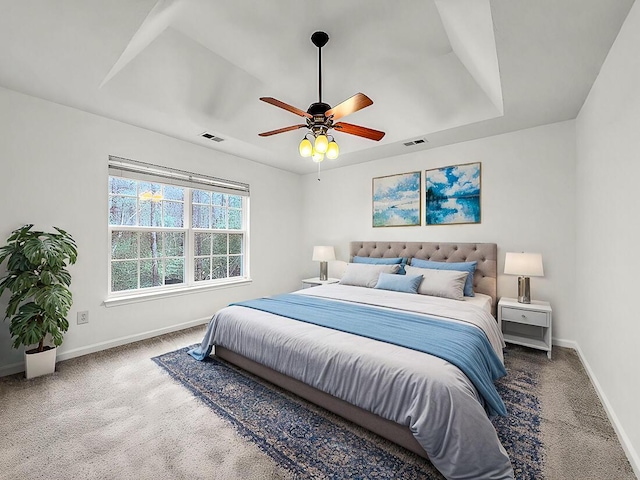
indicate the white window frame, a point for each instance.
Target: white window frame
{"x":139,"y":171}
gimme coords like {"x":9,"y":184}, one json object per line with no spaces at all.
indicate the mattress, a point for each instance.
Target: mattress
{"x":429,"y":395}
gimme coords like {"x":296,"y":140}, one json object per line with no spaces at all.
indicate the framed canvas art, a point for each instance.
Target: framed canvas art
{"x":396,"y":200}
{"x":453,"y":194}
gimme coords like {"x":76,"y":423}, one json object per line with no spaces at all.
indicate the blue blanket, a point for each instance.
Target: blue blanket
{"x":465,"y":346}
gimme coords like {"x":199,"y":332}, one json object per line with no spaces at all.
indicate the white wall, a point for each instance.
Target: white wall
{"x":54,"y":172}
{"x":528,"y":204}
{"x":608,"y":228}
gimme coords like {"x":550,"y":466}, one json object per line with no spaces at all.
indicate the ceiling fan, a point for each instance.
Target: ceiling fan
{"x":321,"y":117}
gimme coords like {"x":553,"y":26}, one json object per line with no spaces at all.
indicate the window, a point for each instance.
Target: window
{"x":170,"y":229}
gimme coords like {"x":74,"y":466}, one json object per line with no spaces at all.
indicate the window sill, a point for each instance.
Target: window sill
{"x":175,"y":292}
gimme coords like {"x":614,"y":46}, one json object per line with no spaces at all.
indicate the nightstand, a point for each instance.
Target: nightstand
{"x":527,"y":324}
{"x":315,"y":281}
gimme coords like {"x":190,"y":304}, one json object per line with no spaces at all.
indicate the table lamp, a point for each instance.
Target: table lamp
{"x":524,"y":265}
{"x":323,"y":254}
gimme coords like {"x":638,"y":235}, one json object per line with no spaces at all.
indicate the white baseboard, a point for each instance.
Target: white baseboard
{"x":632,"y":455}
{"x":565,"y":343}
{"x":96,"y":347}
{"x":11,"y":369}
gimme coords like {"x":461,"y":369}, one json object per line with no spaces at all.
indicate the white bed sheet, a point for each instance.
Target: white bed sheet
{"x":480,"y":300}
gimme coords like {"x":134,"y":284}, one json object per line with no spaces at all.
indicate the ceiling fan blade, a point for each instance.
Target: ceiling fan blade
{"x":281,"y":130}
{"x":365,"y":132}
{"x":350,"y":105}
{"x":285,"y":106}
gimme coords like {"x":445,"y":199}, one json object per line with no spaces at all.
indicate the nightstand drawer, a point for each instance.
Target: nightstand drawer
{"x":529,"y":317}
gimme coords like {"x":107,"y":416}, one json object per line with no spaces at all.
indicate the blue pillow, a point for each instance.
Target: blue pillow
{"x":402,"y":261}
{"x":460,"y":266}
{"x":399,"y":283}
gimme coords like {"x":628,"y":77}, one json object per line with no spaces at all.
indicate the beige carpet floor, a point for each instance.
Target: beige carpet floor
{"x":117,"y":415}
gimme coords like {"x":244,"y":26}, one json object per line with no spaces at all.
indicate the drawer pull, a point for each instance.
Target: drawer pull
{"x":524,"y":316}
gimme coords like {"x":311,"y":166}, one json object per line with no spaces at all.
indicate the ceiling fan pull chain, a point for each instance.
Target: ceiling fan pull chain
{"x":318,"y":171}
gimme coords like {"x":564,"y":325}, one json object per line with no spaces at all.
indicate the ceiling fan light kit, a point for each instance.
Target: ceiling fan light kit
{"x":320,"y":117}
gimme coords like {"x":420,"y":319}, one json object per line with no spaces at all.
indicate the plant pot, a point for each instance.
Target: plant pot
{"x":40,"y":363}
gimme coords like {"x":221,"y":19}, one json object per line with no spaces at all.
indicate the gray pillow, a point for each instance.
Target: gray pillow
{"x":440,"y":283}
{"x":365,"y":275}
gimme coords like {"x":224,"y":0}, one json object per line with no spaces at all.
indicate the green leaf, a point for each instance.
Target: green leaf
{"x":47,"y":277}
{"x":18,"y":261}
{"x":54,"y":300}
{"x":63,"y":277}
{"x":25,"y":328}
{"x":24,"y":282}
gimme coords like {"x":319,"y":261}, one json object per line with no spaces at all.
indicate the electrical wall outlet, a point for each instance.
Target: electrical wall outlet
{"x":83,"y":317}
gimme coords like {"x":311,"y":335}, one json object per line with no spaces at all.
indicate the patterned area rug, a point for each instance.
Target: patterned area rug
{"x":312,"y":443}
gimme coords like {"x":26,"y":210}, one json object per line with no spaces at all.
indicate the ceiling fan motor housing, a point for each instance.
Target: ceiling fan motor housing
{"x":319,"y":123}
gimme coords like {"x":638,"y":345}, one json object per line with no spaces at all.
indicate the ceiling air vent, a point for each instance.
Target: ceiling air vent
{"x":415,"y":142}
{"x":211,"y":137}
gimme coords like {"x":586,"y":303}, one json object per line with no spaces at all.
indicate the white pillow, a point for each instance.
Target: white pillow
{"x":440,"y":283}
{"x":365,"y":274}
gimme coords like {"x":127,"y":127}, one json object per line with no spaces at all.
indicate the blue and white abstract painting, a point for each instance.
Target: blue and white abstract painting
{"x":453,"y":194}
{"x":396,"y":200}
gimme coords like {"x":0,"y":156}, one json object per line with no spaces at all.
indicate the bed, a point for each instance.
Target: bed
{"x":415,"y":399}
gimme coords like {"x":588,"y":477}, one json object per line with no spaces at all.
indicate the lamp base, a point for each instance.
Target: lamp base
{"x":324,"y":268}
{"x":524,"y":290}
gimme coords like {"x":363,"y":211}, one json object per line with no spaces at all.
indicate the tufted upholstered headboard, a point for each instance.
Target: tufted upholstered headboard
{"x":485,"y":279}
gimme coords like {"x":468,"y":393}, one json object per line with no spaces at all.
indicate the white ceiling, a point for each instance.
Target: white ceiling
{"x":441,"y":70}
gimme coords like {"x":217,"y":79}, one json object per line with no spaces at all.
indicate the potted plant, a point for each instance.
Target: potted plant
{"x":38,"y":280}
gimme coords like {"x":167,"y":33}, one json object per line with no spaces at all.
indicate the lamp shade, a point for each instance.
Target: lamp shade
{"x":523,"y":264}
{"x":305,"y":148}
{"x":332,"y":150}
{"x":323,"y":254}
{"x":321,"y":144}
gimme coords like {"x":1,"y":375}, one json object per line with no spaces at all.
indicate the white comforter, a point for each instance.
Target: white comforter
{"x":429,"y":395}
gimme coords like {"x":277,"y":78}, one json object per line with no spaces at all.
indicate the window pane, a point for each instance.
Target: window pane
{"x":235,"y":219}
{"x":201,"y":216}
{"x":174,"y":271}
{"x":124,"y":276}
{"x":235,"y":265}
{"x":173,"y":193}
{"x":122,"y":210}
{"x":219,"y":267}
{"x":219,"y":243}
{"x":173,"y":244}
{"x":124,"y":245}
{"x":146,"y":188}
{"x":219,"y":198}
{"x":202,"y":269}
{"x":219,"y":218}
{"x":201,"y":196}
{"x":235,"y":243}
{"x":173,"y":214}
{"x":150,"y":214}
{"x":202,"y":243}
{"x":151,"y":273}
{"x":235,"y":201}
{"x":122,"y":186}
{"x":150,"y":244}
